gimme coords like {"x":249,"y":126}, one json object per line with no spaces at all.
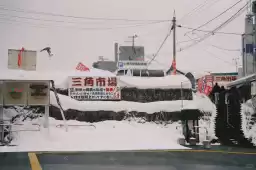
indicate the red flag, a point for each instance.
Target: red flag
{"x":174,"y":67}
{"x":80,"y":66}
{"x":20,"y":57}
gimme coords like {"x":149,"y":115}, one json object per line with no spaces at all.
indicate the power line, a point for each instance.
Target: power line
{"x":225,"y":49}
{"x":197,"y":8}
{"x":161,"y":46}
{"x":74,"y":17}
{"x":214,"y":55}
{"x":238,"y":13}
{"x":208,"y":31}
{"x":180,"y":42}
{"x":220,"y":48}
{"x":218,"y":15}
{"x":194,"y":9}
{"x":48,"y":20}
{"x":62,"y":21}
{"x":7,"y":21}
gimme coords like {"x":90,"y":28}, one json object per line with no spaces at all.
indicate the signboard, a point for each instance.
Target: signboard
{"x":38,"y":93}
{"x":131,"y":53}
{"x":205,"y":84}
{"x":137,"y":65}
{"x":224,"y":78}
{"x":94,"y":88}
{"x":28,"y":59}
{"x":15,"y":93}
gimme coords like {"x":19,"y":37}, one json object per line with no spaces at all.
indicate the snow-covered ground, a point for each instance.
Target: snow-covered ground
{"x":107,"y":135}
{"x":82,"y":136}
{"x":208,"y":120}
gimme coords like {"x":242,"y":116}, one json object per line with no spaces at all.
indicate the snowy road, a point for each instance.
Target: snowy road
{"x":154,"y":160}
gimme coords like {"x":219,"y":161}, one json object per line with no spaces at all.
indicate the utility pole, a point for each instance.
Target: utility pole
{"x":133,"y":44}
{"x":253,"y":8}
{"x":174,"y":43}
{"x":133,"y":39}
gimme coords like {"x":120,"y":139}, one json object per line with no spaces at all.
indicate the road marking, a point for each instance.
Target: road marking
{"x":34,"y":163}
{"x":205,"y":151}
{"x":167,"y":150}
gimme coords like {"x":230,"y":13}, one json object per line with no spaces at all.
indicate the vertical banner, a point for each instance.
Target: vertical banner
{"x":205,"y":84}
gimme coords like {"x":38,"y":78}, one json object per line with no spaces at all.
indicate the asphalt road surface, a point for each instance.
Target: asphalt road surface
{"x":132,"y":160}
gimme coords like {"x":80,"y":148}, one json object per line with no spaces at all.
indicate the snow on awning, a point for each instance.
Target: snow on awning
{"x":241,"y":81}
{"x":24,"y":75}
{"x":167,"y":82}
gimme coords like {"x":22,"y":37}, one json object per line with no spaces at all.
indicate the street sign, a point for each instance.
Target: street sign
{"x":140,"y":65}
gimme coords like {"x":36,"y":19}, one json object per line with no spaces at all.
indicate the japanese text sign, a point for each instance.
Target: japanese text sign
{"x":94,"y":88}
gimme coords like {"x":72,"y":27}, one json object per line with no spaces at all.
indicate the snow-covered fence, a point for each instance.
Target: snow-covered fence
{"x":148,"y":95}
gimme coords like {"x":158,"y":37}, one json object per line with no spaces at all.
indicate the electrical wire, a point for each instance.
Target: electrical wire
{"x":57,"y":21}
{"x":197,"y":9}
{"x":159,"y":49}
{"x":14,"y":22}
{"x":220,"y":48}
{"x":225,"y":49}
{"x":234,"y":16}
{"x":185,"y":41}
{"x":4,"y":8}
{"x":214,"y":55}
{"x":208,"y":31}
{"x":217,"y":16}
{"x":194,"y":9}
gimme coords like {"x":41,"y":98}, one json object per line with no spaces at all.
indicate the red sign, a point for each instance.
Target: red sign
{"x":224,"y":78}
{"x":91,"y":81}
{"x":80,"y":66}
{"x":205,"y":84}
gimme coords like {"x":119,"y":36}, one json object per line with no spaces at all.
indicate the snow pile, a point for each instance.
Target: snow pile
{"x":204,"y":103}
{"x":167,"y":82}
{"x":117,"y":106}
{"x":208,"y":120}
{"x":248,"y":121}
{"x":82,"y":136}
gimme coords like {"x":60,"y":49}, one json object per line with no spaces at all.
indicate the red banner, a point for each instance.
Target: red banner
{"x":205,"y":84}
{"x":82,"y":67}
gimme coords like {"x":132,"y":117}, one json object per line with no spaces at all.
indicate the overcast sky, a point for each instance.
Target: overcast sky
{"x":72,"y":41}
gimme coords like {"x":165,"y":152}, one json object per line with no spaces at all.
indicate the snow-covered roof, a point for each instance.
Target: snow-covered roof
{"x":248,"y":78}
{"x":60,"y":77}
{"x":24,"y":75}
{"x":170,"y":81}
